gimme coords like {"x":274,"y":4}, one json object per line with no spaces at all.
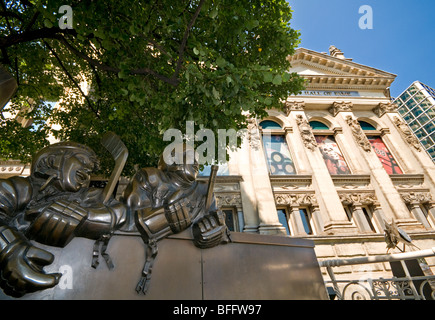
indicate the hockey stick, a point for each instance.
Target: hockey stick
{"x":119,"y":151}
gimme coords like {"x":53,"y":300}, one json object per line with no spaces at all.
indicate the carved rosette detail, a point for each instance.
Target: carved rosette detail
{"x":306,"y":133}
{"x":359,"y":134}
{"x":290,"y":106}
{"x":355,"y":199}
{"x":296,"y":199}
{"x":407,"y":134}
{"x":340,"y":107}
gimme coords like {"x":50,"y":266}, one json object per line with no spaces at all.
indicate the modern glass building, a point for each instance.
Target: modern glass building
{"x":416,"y":105}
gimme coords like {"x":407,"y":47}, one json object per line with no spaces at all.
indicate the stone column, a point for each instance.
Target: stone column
{"x":388,"y":195}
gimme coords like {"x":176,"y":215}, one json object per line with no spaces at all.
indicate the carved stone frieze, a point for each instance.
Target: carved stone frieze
{"x":306,"y":133}
{"x":407,"y":134}
{"x":253,"y":134}
{"x":416,"y":197}
{"x":290,"y":106}
{"x":339,"y":107}
{"x":383,"y":108}
{"x":296,"y":199}
{"x":232,"y":200}
{"x":355,"y":199}
{"x":359,"y":134}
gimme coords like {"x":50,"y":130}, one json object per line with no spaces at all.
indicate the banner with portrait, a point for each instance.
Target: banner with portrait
{"x":332,"y":155}
{"x":384,"y":155}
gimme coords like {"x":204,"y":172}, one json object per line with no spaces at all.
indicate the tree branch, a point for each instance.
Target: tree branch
{"x":184,"y":41}
{"x":71,"y":78}
{"x":27,"y":36}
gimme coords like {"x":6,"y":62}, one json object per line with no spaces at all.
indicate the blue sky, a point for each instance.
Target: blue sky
{"x":402,"y":40}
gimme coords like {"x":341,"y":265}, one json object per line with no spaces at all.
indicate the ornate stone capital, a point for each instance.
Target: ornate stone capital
{"x":339,"y":107}
{"x":407,"y":134}
{"x":359,"y":134}
{"x":306,"y":133}
{"x":416,"y":197}
{"x":290,"y":106}
{"x":358,"y":199}
{"x":383,"y":108}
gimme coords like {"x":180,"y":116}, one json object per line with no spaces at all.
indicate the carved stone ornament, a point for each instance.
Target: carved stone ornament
{"x":416,"y":197}
{"x":290,"y":106}
{"x":56,"y":204}
{"x":296,"y":199}
{"x":383,"y":108}
{"x":407,"y":134}
{"x":233,"y":200}
{"x":253,"y":134}
{"x":306,"y":133}
{"x":359,"y":134}
{"x":340,"y":107}
{"x":355,"y":199}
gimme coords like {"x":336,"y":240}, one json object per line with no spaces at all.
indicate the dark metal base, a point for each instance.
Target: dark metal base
{"x":253,"y":267}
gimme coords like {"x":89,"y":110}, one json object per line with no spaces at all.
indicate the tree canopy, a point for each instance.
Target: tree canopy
{"x":138,"y":68}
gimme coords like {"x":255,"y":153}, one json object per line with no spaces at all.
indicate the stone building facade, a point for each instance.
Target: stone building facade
{"x":333,"y":165}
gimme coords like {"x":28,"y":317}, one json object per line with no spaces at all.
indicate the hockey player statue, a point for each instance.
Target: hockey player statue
{"x":55,"y":204}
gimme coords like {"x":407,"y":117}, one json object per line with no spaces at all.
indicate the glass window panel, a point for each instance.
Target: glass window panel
{"x":430,"y":127}
{"x":222,"y":171}
{"x":278,"y":155}
{"x":368,"y":217}
{"x":269,"y":124}
{"x":417,"y":111}
{"x":384,"y":155}
{"x":405,"y":96}
{"x":317,"y":125}
{"x":229,"y":219}
{"x":420,"y":134}
{"x":426,"y":142}
{"x":431,"y":113}
{"x":414,"y":125}
{"x":366,"y":126}
{"x":408,"y":118}
{"x":332,"y":155}
{"x":306,"y":221}
{"x":419,"y":96}
{"x":411,"y":103}
{"x":425,"y":104}
{"x":413,"y":89}
{"x":423,"y":119}
{"x":282,"y":218}
{"x":402,"y":111}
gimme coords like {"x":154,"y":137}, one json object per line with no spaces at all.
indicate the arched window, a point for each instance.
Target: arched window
{"x":366,"y":126}
{"x":390,"y":164}
{"x":269,"y":124}
{"x":317,"y":125}
{"x":329,"y":148}
{"x":276,"y":149}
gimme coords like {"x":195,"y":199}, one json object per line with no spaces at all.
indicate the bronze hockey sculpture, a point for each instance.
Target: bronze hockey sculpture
{"x":55,"y":204}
